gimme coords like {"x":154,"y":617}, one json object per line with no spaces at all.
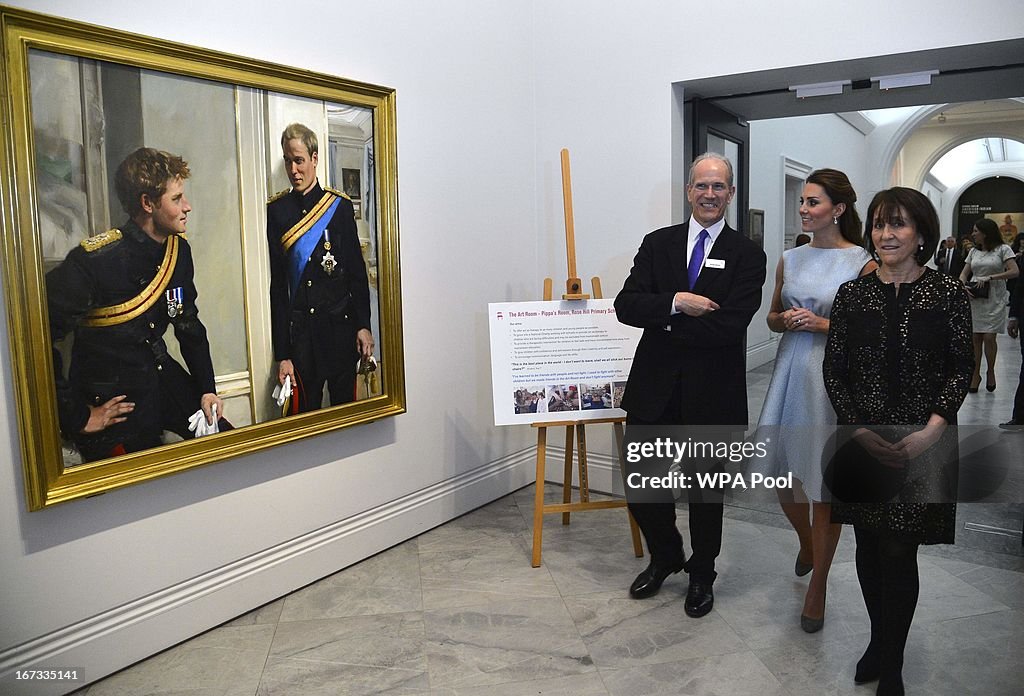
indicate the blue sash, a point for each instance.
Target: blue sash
{"x":300,"y":248}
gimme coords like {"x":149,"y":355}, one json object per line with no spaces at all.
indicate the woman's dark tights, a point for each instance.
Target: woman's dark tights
{"x":888,"y":575}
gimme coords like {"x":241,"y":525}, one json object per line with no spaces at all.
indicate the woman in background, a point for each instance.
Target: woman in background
{"x":796,"y":404}
{"x":897,"y":365}
{"x":990,"y":264}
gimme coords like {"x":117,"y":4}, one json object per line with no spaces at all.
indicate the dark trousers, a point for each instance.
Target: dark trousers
{"x":167,"y":405}
{"x":1018,"y":400}
{"x":657,"y":520}
{"x":341,"y":388}
{"x":888,"y":575}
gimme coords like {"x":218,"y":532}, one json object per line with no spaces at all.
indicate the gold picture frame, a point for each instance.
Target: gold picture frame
{"x":257,"y":95}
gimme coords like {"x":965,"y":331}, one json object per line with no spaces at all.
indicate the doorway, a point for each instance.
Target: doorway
{"x":954,"y":75}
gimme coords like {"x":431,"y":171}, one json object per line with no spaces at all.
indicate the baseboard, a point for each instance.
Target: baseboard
{"x":762,"y":353}
{"x":602,"y":470}
{"x":103,"y":644}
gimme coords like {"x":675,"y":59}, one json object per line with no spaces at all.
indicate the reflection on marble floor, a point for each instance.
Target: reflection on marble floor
{"x":458,"y":611}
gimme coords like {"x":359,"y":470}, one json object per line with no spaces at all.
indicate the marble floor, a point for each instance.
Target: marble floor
{"x":458,"y":611}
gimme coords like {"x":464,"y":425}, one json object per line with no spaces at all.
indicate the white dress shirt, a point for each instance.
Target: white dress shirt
{"x":693,"y":231}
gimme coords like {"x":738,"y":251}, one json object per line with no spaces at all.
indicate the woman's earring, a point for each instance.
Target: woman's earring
{"x":835,"y":220}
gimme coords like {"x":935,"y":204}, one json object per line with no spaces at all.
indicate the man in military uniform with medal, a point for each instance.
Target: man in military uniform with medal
{"x":117,"y":293}
{"x":319,"y":293}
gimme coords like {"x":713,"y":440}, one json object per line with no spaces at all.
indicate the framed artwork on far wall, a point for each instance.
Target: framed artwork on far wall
{"x":350,"y":183}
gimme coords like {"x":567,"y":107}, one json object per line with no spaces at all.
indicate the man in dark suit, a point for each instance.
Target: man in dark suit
{"x":319,"y":294}
{"x":949,"y":259}
{"x":693,"y":289}
{"x":118,"y":292}
{"x":1016,"y":422}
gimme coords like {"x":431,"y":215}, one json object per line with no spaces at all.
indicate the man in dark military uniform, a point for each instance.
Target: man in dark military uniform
{"x":117,"y":292}
{"x":319,"y":293}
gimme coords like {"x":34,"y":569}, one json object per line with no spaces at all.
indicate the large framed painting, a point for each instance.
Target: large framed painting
{"x":78,"y":102}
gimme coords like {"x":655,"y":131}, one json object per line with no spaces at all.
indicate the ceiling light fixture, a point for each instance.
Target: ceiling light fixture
{"x":917,"y":79}
{"x":819,"y":89}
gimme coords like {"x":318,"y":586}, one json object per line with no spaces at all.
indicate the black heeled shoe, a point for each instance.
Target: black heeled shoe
{"x":869,"y":667}
{"x":801,"y":569}
{"x":990,"y":387}
{"x":810,"y":625}
{"x":890,"y":685}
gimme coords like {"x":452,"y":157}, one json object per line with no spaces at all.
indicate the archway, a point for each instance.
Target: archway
{"x":956,"y":141}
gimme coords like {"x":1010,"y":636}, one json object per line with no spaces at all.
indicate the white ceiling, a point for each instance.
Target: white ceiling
{"x":1000,"y":114}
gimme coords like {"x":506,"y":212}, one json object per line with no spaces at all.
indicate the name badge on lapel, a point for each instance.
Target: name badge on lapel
{"x":715,"y":263}
{"x":175,"y":301}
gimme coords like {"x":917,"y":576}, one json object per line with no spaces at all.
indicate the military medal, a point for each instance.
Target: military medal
{"x":328,"y":262}
{"x":175,"y":301}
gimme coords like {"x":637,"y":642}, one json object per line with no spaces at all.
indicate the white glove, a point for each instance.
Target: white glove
{"x":283,"y":391}
{"x":198,"y":425}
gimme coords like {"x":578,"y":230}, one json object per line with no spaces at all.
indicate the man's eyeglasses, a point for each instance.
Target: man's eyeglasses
{"x":717,"y":187}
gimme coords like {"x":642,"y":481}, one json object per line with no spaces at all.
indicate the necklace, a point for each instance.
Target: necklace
{"x":896,"y":281}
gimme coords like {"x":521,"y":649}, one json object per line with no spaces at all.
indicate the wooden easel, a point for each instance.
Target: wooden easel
{"x":573,"y":286}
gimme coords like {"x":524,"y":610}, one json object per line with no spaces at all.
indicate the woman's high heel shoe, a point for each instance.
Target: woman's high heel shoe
{"x":990,"y":386}
{"x":801,"y":569}
{"x":811,"y":625}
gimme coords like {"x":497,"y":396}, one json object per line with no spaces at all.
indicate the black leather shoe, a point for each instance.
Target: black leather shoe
{"x":700,"y":599}
{"x":869,"y":667}
{"x":1013,"y":425}
{"x":649,"y":581}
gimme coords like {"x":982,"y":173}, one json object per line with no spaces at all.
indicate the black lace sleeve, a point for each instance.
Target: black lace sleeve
{"x":959,"y":359}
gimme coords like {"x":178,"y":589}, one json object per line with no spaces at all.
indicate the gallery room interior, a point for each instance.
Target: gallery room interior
{"x":413,"y":529}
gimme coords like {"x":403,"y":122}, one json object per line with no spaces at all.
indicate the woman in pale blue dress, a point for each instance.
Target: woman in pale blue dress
{"x":797,"y":413}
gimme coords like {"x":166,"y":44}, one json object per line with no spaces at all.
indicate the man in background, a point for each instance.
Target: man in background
{"x":948,"y":258}
{"x":1016,"y":422}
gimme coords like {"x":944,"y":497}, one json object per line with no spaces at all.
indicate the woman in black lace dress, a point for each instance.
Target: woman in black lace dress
{"x":897,"y":366}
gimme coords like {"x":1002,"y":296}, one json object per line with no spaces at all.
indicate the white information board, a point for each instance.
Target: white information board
{"x":559,"y":360}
